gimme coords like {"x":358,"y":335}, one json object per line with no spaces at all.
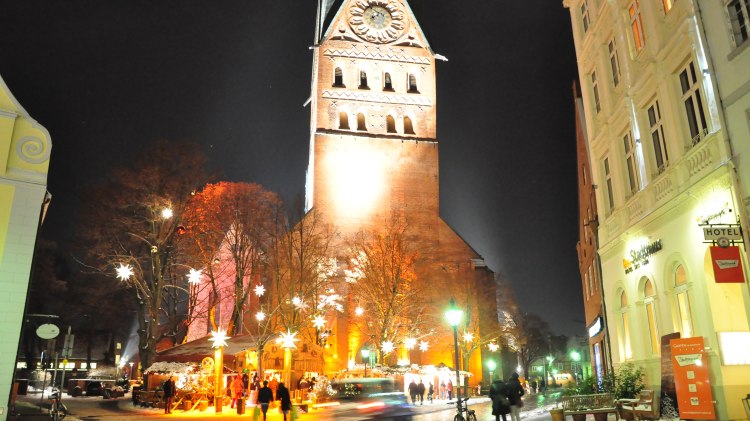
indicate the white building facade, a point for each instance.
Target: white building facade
{"x":665,"y":89}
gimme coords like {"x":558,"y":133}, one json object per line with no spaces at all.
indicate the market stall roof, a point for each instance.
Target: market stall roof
{"x":198,"y":349}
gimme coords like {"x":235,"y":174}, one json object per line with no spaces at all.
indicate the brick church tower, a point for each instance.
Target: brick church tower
{"x":374,"y":154}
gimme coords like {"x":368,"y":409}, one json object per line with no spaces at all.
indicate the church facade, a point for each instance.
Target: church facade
{"x":374,"y":156}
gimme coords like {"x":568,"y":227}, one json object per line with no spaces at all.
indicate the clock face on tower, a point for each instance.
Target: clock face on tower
{"x":378,"y":21}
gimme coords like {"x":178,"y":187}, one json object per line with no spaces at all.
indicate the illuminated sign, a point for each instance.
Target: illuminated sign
{"x":596,"y":327}
{"x":727,"y":265}
{"x":640,"y":256}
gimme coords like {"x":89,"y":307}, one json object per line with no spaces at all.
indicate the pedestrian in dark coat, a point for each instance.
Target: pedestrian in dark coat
{"x":168,"y":389}
{"x":430,"y":392}
{"x":282,"y":394}
{"x":420,"y":392}
{"x":500,"y":400}
{"x":265,"y":397}
{"x":413,"y":392}
{"x":515,"y":391}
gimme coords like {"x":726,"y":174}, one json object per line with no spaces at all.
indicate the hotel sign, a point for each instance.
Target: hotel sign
{"x":640,"y":257}
{"x":723,"y":235}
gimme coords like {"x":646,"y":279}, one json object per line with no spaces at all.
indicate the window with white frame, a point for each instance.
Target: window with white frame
{"x":585,"y":19}
{"x":682,"y":300}
{"x":636,"y":25}
{"x":631,"y":162}
{"x":608,"y":181}
{"x":739,"y":20}
{"x":693,"y":100}
{"x":625,"y":347}
{"x":595,"y":90}
{"x":667,"y":5}
{"x":649,"y":297}
{"x":661,"y":156}
{"x":614,"y":62}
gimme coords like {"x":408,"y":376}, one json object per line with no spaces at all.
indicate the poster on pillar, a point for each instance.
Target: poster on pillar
{"x":727,"y":264}
{"x":694,"y":397}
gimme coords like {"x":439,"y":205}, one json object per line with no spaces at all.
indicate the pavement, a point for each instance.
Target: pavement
{"x":95,"y":408}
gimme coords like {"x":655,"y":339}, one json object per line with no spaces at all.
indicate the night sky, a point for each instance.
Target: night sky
{"x":108,"y":77}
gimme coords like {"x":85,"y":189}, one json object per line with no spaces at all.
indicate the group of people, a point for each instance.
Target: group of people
{"x":417,"y":391}
{"x":506,"y":398}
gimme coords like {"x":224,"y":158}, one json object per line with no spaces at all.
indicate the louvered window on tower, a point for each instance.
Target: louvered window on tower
{"x":387,"y":84}
{"x":413,"y":84}
{"x":390,"y":123}
{"x":338,"y":78}
{"x":361,"y":126}
{"x":343,"y":121}
{"x":408,"y":127}
{"x":363,"y":80}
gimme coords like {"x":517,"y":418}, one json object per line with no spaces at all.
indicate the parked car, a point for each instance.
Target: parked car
{"x":94,"y":389}
{"x":369,"y":399}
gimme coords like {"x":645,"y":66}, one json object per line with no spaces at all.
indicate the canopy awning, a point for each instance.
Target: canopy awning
{"x":198,"y":349}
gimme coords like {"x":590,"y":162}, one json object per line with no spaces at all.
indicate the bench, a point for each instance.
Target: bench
{"x":600,"y":405}
{"x":645,"y":407}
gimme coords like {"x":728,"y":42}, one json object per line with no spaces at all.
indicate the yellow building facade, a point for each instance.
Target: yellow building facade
{"x":666,"y":162}
{"x":24,"y":162}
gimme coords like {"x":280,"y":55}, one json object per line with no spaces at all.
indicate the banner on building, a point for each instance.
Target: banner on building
{"x":694,"y":397}
{"x":727,"y":264}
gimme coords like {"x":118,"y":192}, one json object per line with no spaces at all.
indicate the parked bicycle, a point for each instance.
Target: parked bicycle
{"x":57,"y":409}
{"x":463,"y":408}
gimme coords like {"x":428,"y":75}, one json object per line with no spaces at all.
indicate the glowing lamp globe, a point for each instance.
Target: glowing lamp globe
{"x":454,"y":315}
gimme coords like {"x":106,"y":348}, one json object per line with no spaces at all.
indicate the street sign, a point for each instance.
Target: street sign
{"x":47,"y":331}
{"x":68,"y":346}
{"x":719,"y":232}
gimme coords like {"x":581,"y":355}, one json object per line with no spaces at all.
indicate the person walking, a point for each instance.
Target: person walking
{"x":282,"y":394}
{"x":500,"y":399}
{"x":515,"y":391}
{"x":265,"y":397}
{"x":449,"y":389}
{"x":236,"y":391}
{"x":168,"y":389}
{"x":442,"y":390}
{"x":430,"y":392}
{"x":420,"y":392}
{"x":413,"y":392}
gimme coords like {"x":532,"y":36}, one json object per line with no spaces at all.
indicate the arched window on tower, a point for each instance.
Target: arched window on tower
{"x":413,"y":84}
{"x":338,"y":78}
{"x":343,"y":121}
{"x":361,"y":126}
{"x":390,"y":124}
{"x":387,"y":83}
{"x":363,"y":80}
{"x":408,"y":126}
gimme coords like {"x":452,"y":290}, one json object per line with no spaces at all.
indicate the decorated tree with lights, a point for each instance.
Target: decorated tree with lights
{"x":133,"y":220}
{"x":390,"y":305}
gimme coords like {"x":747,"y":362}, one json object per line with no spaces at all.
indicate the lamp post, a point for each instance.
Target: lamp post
{"x":576,"y":357}
{"x":454,"y":315}
{"x":219,"y":339}
{"x":366,"y":356}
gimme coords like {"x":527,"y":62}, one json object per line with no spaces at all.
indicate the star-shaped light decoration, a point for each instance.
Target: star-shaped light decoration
{"x":124,"y":272}
{"x":468,"y":337}
{"x":319,"y":322}
{"x":167,"y":213}
{"x":260,"y":316}
{"x":288,"y":339}
{"x":296,"y":301}
{"x":359,"y":311}
{"x":219,"y":338}
{"x":194,"y":277}
{"x":260,"y":290}
{"x":410,"y":343}
{"x":387,"y":347}
{"x":493,"y":346}
{"x":424,"y":346}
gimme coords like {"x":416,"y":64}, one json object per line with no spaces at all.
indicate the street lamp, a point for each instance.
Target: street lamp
{"x":491,"y":365}
{"x":454,"y":315}
{"x":366,"y":356}
{"x":219,"y":339}
{"x":576,"y":357}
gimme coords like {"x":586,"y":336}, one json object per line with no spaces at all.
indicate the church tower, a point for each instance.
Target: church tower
{"x":374,"y":152}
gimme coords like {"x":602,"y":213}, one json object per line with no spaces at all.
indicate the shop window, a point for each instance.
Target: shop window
{"x":338,"y":78}
{"x":413,"y":84}
{"x":387,"y":83}
{"x":390,"y":124}
{"x":363,"y":80}
{"x":361,"y":125}
{"x":343,"y":120}
{"x":682,"y":299}
{"x":649,"y":297}
{"x":408,"y":127}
